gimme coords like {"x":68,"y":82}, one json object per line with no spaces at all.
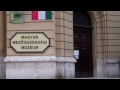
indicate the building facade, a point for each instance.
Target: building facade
{"x":82,"y":44}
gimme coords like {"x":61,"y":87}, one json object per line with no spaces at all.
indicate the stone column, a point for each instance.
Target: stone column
{"x":113,"y":44}
{"x":64,"y":44}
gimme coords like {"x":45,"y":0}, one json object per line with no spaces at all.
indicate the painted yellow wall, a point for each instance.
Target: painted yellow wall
{"x":48,"y":27}
{"x":60,"y":31}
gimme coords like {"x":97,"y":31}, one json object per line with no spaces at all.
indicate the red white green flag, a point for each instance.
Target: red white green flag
{"x":41,"y":15}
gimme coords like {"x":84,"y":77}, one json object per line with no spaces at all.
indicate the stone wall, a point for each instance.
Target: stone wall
{"x":2,"y":45}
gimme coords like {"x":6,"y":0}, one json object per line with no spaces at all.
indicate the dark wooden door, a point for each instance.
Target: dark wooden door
{"x":83,"y":43}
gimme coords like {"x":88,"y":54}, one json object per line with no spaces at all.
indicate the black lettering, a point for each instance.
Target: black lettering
{"x":36,"y":37}
{"x":22,"y":37}
{"x":27,"y":42}
{"x":14,"y":42}
{"x":36,"y":47}
{"x":22,"y":47}
{"x":38,"y":42}
{"x":18,"y":42}
{"x":41,"y":41}
{"x":24,"y":42}
{"x":20,"y":15}
{"x":35,"y":42}
{"x":32,"y":42}
{"x":29,"y":47}
{"x":33,"y":37}
{"x":44,"y":42}
{"x":28,"y":37}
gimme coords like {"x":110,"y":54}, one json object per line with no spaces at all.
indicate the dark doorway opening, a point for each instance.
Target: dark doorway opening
{"x":83,"y":44}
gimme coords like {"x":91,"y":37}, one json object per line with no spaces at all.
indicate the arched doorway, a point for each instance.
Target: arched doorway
{"x":83,"y":44}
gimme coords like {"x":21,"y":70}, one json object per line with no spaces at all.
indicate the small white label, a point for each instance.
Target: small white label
{"x":76,"y":52}
{"x":76,"y":57}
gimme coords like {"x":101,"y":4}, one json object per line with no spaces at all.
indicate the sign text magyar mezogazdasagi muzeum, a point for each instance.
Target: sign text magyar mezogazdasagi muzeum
{"x":30,"y":42}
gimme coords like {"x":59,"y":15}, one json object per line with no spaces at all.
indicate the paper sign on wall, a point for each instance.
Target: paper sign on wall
{"x":76,"y":57}
{"x":76,"y":52}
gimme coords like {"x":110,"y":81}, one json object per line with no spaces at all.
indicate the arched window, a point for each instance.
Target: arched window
{"x":81,"y":19}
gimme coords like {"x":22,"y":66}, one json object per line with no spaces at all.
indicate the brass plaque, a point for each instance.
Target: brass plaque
{"x":30,"y":42}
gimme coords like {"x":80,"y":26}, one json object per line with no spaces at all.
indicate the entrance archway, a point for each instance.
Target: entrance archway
{"x":83,"y":51}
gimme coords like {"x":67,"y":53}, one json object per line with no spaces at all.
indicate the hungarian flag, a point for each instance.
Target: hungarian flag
{"x":44,"y":15}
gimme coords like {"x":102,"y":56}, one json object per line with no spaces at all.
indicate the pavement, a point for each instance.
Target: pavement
{"x":96,"y":78}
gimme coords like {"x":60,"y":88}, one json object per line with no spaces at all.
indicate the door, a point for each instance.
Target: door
{"x":83,"y":43}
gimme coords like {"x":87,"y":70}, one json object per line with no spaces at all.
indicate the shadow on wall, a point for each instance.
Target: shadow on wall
{"x":2,"y":68}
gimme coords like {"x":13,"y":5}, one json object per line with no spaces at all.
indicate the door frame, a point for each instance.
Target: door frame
{"x":90,"y":29}
{"x":98,"y":23}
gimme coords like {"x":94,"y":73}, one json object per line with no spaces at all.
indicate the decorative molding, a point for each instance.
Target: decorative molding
{"x":38,"y":58}
{"x":66,"y":59}
{"x":108,"y":61}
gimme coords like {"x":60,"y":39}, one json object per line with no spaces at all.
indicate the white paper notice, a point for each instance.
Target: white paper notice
{"x":76,"y":57}
{"x":76,"y":52}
